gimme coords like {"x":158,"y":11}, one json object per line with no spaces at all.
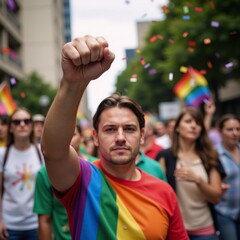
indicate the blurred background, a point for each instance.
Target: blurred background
{"x":155,"y":42}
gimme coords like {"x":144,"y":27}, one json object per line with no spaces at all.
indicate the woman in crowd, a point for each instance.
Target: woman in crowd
{"x":228,"y":209}
{"x":19,"y":164}
{"x":191,"y":169}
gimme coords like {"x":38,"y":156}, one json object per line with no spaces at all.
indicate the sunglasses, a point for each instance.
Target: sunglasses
{"x":18,"y":121}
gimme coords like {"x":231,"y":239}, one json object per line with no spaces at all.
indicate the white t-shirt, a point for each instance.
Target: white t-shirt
{"x":20,"y":173}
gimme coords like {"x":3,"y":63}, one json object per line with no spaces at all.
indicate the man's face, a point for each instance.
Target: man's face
{"x":118,"y":137}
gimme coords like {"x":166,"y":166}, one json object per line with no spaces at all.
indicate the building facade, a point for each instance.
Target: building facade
{"x":32,"y":34}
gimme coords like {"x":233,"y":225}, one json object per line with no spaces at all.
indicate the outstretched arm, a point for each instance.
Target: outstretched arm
{"x":209,"y":110}
{"x":84,"y":59}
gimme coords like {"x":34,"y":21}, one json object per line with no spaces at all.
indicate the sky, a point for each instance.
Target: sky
{"x":116,"y":21}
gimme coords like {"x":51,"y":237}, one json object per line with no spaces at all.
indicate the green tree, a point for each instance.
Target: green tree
{"x":27,"y":92}
{"x":201,"y":34}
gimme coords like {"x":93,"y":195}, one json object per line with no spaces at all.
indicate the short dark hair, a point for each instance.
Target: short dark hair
{"x":225,"y":118}
{"x":117,"y":100}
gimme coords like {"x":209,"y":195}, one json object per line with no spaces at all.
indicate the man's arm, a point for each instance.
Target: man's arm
{"x":209,"y":110}
{"x":83,"y":60}
{"x":45,"y":227}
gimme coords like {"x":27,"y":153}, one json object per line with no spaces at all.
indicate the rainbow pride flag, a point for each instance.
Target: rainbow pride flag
{"x":192,"y":88}
{"x":7,"y":104}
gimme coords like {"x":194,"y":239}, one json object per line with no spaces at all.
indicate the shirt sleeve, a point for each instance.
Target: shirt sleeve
{"x":43,"y":195}
{"x":176,"y":227}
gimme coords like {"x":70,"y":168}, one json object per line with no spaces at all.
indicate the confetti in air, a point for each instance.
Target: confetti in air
{"x":133,"y":78}
{"x":152,"y":71}
{"x":186,"y":17}
{"x":183,"y":69}
{"x":13,"y":81}
{"x":214,"y":24}
{"x":229,"y":65}
{"x":207,"y":41}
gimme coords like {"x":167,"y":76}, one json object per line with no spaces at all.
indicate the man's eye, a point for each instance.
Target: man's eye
{"x":130,"y":129}
{"x":110,"y":130}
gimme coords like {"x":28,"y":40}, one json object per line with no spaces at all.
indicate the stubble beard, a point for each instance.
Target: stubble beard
{"x":121,"y":159}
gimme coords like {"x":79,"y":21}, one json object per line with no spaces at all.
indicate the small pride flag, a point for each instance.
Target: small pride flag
{"x":192,"y":88}
{"x":7,"y":104}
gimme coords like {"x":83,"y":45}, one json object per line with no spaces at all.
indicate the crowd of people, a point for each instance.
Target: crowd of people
{"x":130,"y":178}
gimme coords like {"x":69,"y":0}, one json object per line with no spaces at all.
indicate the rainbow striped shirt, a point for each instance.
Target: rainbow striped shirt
{"x":100,"y":206}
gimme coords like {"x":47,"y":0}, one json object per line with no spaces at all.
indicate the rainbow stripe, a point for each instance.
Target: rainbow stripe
{"x":192,"y":88}
{"x":102,"y":207}
{"x":7,"y":104}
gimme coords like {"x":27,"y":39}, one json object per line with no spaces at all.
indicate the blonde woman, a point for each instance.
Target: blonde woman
{"x":19,"y":164}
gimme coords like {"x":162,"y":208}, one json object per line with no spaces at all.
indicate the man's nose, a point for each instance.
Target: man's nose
{"x":120,"y":134}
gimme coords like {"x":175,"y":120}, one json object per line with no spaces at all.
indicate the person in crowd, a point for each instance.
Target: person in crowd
{"x":38,"y":123}
{"x":20,"y":161}
{"x":90,"y":148}
{"x":208,"y":109}
{"x":52,"y":216}
{"x":4,"y":119}
{"x":110,"y":198}
{"x":228,"y":209}
{"x":166,"y":139}
{"x":150,"y":166}
{"x":149,"y":146}
{"x":191,"y":166}
{"x":214,"y":133}
{"x":159,"y":129}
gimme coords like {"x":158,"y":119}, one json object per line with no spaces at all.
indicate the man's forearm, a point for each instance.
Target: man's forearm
{"x":60,"y":121}
{"x":44,"y":229}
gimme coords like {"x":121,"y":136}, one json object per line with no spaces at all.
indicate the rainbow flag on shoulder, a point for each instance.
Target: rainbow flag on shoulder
{"x":7,"y":104}
{"x":192,"y":88}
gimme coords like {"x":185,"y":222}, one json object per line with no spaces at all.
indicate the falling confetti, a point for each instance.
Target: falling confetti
{"x":22,"y":95}
{"x":142,"y":61}
{"x":170,"y":76}
{"x":165,"y":9}
{"x":186,"y":17}
{"x":185,"y":9}
{"x":207,"y":41}
{"x":209,"y":64}
{"x":153,"y":38}
{"x":229,"y":65}
{"x":192,"y":43}
{"x":214,"y":24}
{"x":152,"y":71}
{"x":133,"y":78}
{"x":183,"y":69}
{"x":147,"y":65}
{"x":13,"y":81}
{"x":198,"y":9}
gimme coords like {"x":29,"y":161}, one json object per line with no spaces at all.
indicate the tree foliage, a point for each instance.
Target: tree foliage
{"x":27,"y":93}
{"x":201,"y":34}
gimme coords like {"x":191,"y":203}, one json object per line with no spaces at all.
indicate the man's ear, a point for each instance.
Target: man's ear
{"x":95,"y":138}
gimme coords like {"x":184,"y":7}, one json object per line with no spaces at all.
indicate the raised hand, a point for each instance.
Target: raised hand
{"x":85,"y":59}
